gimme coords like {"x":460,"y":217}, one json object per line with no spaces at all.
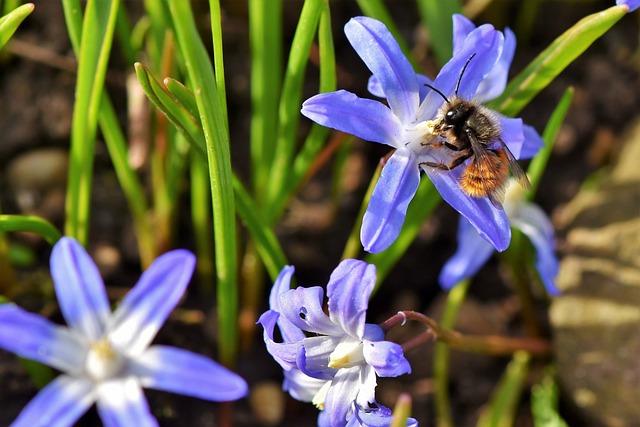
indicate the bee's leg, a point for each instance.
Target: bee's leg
{"x":447,"y":167}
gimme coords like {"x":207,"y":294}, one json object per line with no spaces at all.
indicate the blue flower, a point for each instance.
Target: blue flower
{"x":473,"y":251}
{"x":105,"y":357}
{"x":404,"y":123}
{"x":336,"y":364}
{"x":632,"y":4}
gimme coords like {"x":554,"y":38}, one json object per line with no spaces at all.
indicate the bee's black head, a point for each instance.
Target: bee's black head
{"x":458,"y":113}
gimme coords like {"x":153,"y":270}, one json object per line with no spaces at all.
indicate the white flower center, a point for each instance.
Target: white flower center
{"x":347,"y":354}
{"x":103,"y":361}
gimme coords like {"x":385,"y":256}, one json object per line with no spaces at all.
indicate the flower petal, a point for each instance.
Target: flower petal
{"x":290,"y":333}
{"x":380,"y":52}
{"x":36,"y":338}
{"x":303,"y":308}
{"x":300,"y":386}
{"x":343,"y":391}
{"x":472,"y":253}
{"x":511,"y":132}
{"x":79,"y":288}
{"x":388,"y":205}
{"x":145,"y":308}
{"x":317,"y":353}
{"x":632,"y":4}
{"x":365,"y":118}
{"x":486,"y":43}
{"x":375,"y":88}
{"x":387,"y":358}
{"x":122,"y":403}
{"x":286,"y":354}
{"x":60,"y":404}
{"x":180,"y":371}
{"x":491,"y":223}
{"x":532,"y":142}
{"x":349,"y":288}
{"x":493,"y":85}
{"x":462,"y":26}
{"x":535,"y":224}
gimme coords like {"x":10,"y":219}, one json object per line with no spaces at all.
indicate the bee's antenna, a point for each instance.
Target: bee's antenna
{"x":437,"y":91}
{"x":462,"y":73}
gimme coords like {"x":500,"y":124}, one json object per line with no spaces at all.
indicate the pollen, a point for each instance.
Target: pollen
{"x":346,"y":354}
{"x":103,"y":361}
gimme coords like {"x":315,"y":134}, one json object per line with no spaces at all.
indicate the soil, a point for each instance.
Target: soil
{"x":36,"y":93}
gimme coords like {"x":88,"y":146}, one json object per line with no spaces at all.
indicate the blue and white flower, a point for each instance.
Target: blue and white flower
{"x":106,"y":357}
{"x":332,"y":360}
{"x":473,"y":251}
{"x":404,"y":123}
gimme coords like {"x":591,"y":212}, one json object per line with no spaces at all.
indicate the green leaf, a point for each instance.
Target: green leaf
{"x":501,"y":410}
{"x":9,"y":23}
{"x":33,"y":224}
{"x":544,"y":402}
{"x":290,"y":102}
{"x":539,"y":162}
{"x":213,"y":120}
{"x":265,"y":31}
{"x":555,"y":58}
{"x":437,"y":17}
{"x":184,"y":118}
{"x":264,"y":238}
{"x":95,"y":46}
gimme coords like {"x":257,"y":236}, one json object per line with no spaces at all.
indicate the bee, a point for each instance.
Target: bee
{"x":473,"y":132}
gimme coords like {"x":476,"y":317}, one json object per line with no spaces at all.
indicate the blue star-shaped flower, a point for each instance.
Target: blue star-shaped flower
{"x":335,"y":366}
{"x":404,"y":123}
{"x":473,"y":251}
{"x":105,"y":357}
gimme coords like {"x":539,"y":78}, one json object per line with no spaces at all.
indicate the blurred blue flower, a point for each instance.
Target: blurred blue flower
{"x":105,"y":357}
{"x":473,"y":251}
{"x":633,"y":4}
{"x":335,"y":366}
{"x":403,"y":124}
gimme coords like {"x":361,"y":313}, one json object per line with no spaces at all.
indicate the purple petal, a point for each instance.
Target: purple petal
{"x":180,"y":371}
{"x":290,"y":333}
{"x":34,"y":337}
{"x":286,"y":354}
{"x":79,"y":288}
{"x":317,"y":351}
{"x":472,"y":253}
{"x":375,"y":89}
{"x":60,"y":404}
{"x":491,"y":223}
{"x":344,"y":389}
{"x":365,"y":118}
{"x":303,"y":308}
{"x":512,"y":134}
{"x":145,"y":308}
{"x":300,"y":386}
{"x":348,"y":291}
{"x":462,"y":26}
{"x":486,"y":43}
{"x":382,"y":55}
{"x":388,"y":205}
{"x":535,"y":224}
{"x":632,"y":4}
{"x":533,"y":142}
{"x":380,"y":416}
{"x":122,"y":403}
{"x":493,"y":85}
{"x":387,"y":358}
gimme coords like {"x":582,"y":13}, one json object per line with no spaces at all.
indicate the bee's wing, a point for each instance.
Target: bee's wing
{"x":514,"y":167}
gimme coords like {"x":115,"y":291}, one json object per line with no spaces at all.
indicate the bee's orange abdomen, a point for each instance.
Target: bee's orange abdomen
{"x":486,"y":175}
